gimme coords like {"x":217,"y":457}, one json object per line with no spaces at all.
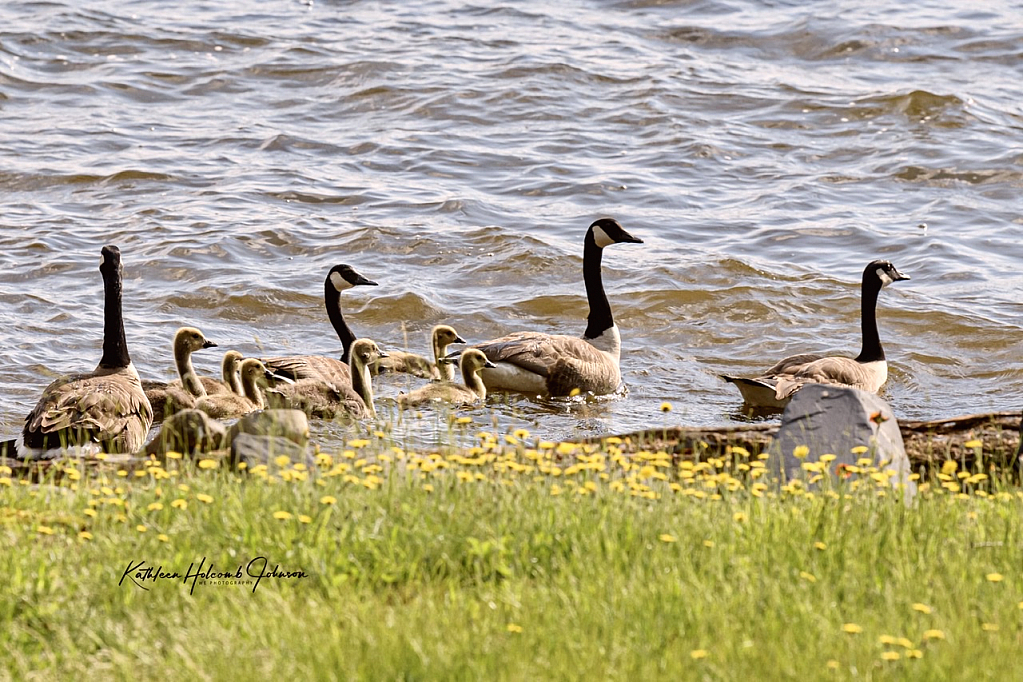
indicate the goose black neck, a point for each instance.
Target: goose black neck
{"x":599,"y":319}
{"x":332,"y":299}
{"x":871,"y":350}
{"x":115,"y":348}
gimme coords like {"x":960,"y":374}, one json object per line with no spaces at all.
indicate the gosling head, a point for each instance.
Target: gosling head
{"x":366,"y":351}
{"x":255,"y":372}
{"x":444,"y":336}
{"x":191,"y":339}
{"x":472,"y":359}
{"x":343,"y":277}
{"x":608,"y":231}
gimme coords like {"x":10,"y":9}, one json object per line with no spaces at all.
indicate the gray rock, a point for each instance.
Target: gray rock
{"x":254,"y":450}
{"x":188,"y":432}
{"x":834,"y":420}
{"x":290,"y":424}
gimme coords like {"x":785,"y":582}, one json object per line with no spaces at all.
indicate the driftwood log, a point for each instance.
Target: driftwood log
{"x":927,"y":442}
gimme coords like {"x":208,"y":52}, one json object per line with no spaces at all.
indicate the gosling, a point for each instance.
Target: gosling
{"x":472,"y":361}
{"x":441,"y":337}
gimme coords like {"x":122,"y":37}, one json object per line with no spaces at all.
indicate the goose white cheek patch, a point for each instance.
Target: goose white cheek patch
{"x":600,"y":237}
{"x":884,"y":277}
{"x":339,"y":282}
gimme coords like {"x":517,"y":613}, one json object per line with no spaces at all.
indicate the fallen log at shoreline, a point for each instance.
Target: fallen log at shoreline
{"x":927,"y":442}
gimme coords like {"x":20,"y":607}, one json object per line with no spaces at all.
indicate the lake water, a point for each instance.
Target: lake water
{"x":456,"y":152}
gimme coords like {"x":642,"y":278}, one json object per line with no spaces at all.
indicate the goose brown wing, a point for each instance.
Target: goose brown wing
{"x":537,"y":352}
{"x":319,"y":367}
{"x":106,"y":408}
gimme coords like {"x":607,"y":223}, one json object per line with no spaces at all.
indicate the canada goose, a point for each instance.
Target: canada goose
{"x":472,"y":360}
{"x":106,"y":406}
{"x":254,"y":377}
{"x":326,"y":399}
{"x":295,"y":367}
{"x":555,"y":364}
{"x":867,"y":371}
{"x":230,"y":370}
{"x":441,"y":337}
{"x":183,"y":391}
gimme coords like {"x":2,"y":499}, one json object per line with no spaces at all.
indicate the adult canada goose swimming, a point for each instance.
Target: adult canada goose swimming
{"x":474,"y":391}
{"x":254,"y":376}
{"x":327,"y":400}
{"x":183,"y":391}
{"x":867,"y":371}
{"x":441,"y":337}
{"x":295,"y":367}
{"x":106,"y":406}
{"x":555,"y":364}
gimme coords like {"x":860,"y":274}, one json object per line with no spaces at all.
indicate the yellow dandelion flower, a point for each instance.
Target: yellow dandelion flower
{"x":832,"y":664}
{"x":697,"y":654}
{"x":975,"y":443}
{"x":464,"y":420}
{"x":140,"y":528}
{"x":328,"y":499}
{"x":800,"y":451}
{"x":989,"y":627}
{"x":162,"y":538}
{"x":859,"y":449}
{"x":512,"y":627}
{"x":827,"y":459}
{"x":665,"y":407}
{"x":922,"y":608}
{"x":207,"y":464}
{"x":739,"y":517}
{"x":666,"y":537}
{"x":183,"y":487}
{"x":180,"y":504}
{"x":154,"y":506}
{"x":173,"y":455}
{"x":357,"y":443}
{"x":708,"y":543}
{"x":574,"y":392}
{"x":555,"y":489}
{"x":282,"y":460}
{"x":994,"y":577}
{"x":852,"y":628}
{"x":1021,"y":605}
{"x":891,"y":656}
{"x":809,"y":577}
{"x":429,"y":488}
{"x":282,"y":515}
{"x":6,"y":470}
{"x":89,"y":512}
{"x":948,"y":467}
{"x":203,"y":497}
{"x":904,"y":643}
{"x":914,"y":653}
{"x":85,"y":535}
{"x":44,"y":530}
{"x":820,"y":545}
{"x":886,"y":639}
{"x":934,"y":634}
{"x":302,"y":518}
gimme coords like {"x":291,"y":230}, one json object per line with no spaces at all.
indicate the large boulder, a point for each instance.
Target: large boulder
{"x":290,"y":424}
{"x":188,"y":432}
{"x":834,"y":420}
{"x":255,"y":450}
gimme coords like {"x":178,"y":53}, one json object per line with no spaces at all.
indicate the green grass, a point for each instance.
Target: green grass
{"x":492,"y":575}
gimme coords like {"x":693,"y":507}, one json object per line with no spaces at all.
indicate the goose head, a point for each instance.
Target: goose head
{"x":882,"y":272}
{"x":366,"y":351}
{"x":110,"y":259}
{"x":343,"y":277}
{"x":473,"y":360}
{"x":608,"y":231}
{"x":444,"y":336}
{"x":255,"y":373}
{"x":191,"y":339}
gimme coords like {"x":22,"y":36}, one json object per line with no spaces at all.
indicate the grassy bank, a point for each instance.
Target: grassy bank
{"x":510,"y":560}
